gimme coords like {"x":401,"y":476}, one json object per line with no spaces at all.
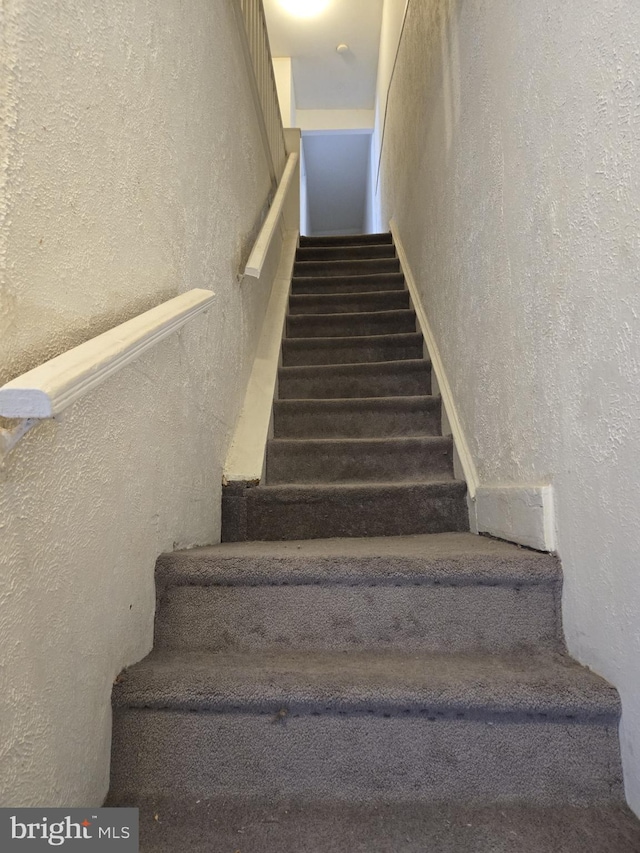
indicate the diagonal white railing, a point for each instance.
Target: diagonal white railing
{"x":49,"y":389}
{"x":257,"y":52}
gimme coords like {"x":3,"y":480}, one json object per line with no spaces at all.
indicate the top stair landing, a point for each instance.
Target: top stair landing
{"x":352,"y":240}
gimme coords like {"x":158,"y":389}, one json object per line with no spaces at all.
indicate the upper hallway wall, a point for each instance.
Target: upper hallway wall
{"x":131,"y":169}
{"x":393,"y":12}
{"x":512,"y":165}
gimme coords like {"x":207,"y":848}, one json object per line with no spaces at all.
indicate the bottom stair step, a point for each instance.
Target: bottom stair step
{"x":366,"y":725}
{"x":264,"y":826}
{"x":317,"y":511}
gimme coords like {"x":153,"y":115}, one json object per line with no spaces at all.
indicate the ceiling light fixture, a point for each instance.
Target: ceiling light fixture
{"x":304,"y":8}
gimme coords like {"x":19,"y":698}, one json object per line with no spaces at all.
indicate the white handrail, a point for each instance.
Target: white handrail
{"x":260,"y":249}
{"x":47,"y":390}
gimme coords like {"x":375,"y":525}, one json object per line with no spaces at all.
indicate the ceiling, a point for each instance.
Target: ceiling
{"x":323,"y":78}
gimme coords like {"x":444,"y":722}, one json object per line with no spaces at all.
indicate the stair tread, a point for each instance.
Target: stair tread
{"x":339,"y":239}
{"x":440,"y":558}
{"x":351,"y":380}
{"x":273,"y":826}
{"x":369,"y":324}
{"x":351,"y":266}
{"x":421,"y":458}
{"x":375,"y":441}
{"x":357,"y":417}
{"x":352,"y":316}
{"x":352,"y":251}
{"x":370,"y":367}
{"x":320,"y":510}
{"x":352,"y":349}
{"x":356,"y":244}
{"x":337,"y":304}
{"x":310,"y":298}
{"x":362,"y":487}
{"x":364,"y":340}
{"x":389,"y":681}
{"x":408,"y":401}
{"x":346,"y":281}
{"x":360,"y":277}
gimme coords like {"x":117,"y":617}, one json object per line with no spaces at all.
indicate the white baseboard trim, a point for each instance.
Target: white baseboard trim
{"x":246,"y":455}
{"x":462,"y":447}
{"x":517,"y":513}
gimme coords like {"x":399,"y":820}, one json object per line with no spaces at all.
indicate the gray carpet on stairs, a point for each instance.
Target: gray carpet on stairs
{"x":445,"y":592}
{"x":356,"y":381}
{"x":226,"y":825}
{"x":352,"y":670}
{"x":363,"y":266}
{"x":364,"y":283}
{"x":351,"y":349}
{"x":346,"y":240}
{"x":364,"y":418}
{"x":360,"y":460}
{"x":310,"y":510}
{"x":332,"y":253}
{"x":348,"y":303}
{"x":357,"y":449}
{"x":390,"y":322}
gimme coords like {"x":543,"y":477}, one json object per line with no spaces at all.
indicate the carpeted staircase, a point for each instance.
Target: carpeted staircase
{"x":385,"y":681}
{"x":357,"y":449}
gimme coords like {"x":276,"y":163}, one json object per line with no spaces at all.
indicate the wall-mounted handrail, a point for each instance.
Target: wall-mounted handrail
{"x":50,"y":388}
{"x":261,"y":247}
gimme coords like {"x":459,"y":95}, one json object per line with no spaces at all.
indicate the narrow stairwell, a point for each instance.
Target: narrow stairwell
{"x":386,"y":681}
{"x":357,"y":449}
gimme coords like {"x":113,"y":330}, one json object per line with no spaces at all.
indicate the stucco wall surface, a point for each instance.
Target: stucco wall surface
{"x":131,"y":170}
{"x":512,"y":165}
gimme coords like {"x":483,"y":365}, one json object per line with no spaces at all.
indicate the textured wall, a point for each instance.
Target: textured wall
{"x":131,"y":169}
{"x":512,"y":164}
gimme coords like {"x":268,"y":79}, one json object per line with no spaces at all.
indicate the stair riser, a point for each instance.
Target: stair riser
{"x":341,"y":351}
{"x":302,"y":420}
{"x":340,"y":253}
{"x":339,"y":268}
{"x":338,"y":325}
{"x":352,"y":240}
{"x":351,"y":303}
{"x":292,"y":385}
{"x":325,"y":514}
{"x":347,"y":284}
{"x":363,"y":757}
{"x":392,"y":460}
{"x":408,"y":617}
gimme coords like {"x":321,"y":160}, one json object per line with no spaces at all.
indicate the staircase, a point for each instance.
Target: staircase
{"x":374,"y":678}
{"x":357,"y":449}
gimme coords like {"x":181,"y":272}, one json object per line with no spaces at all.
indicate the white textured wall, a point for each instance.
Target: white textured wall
{"x":512,"y":164}
{"x":131,"y":169}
